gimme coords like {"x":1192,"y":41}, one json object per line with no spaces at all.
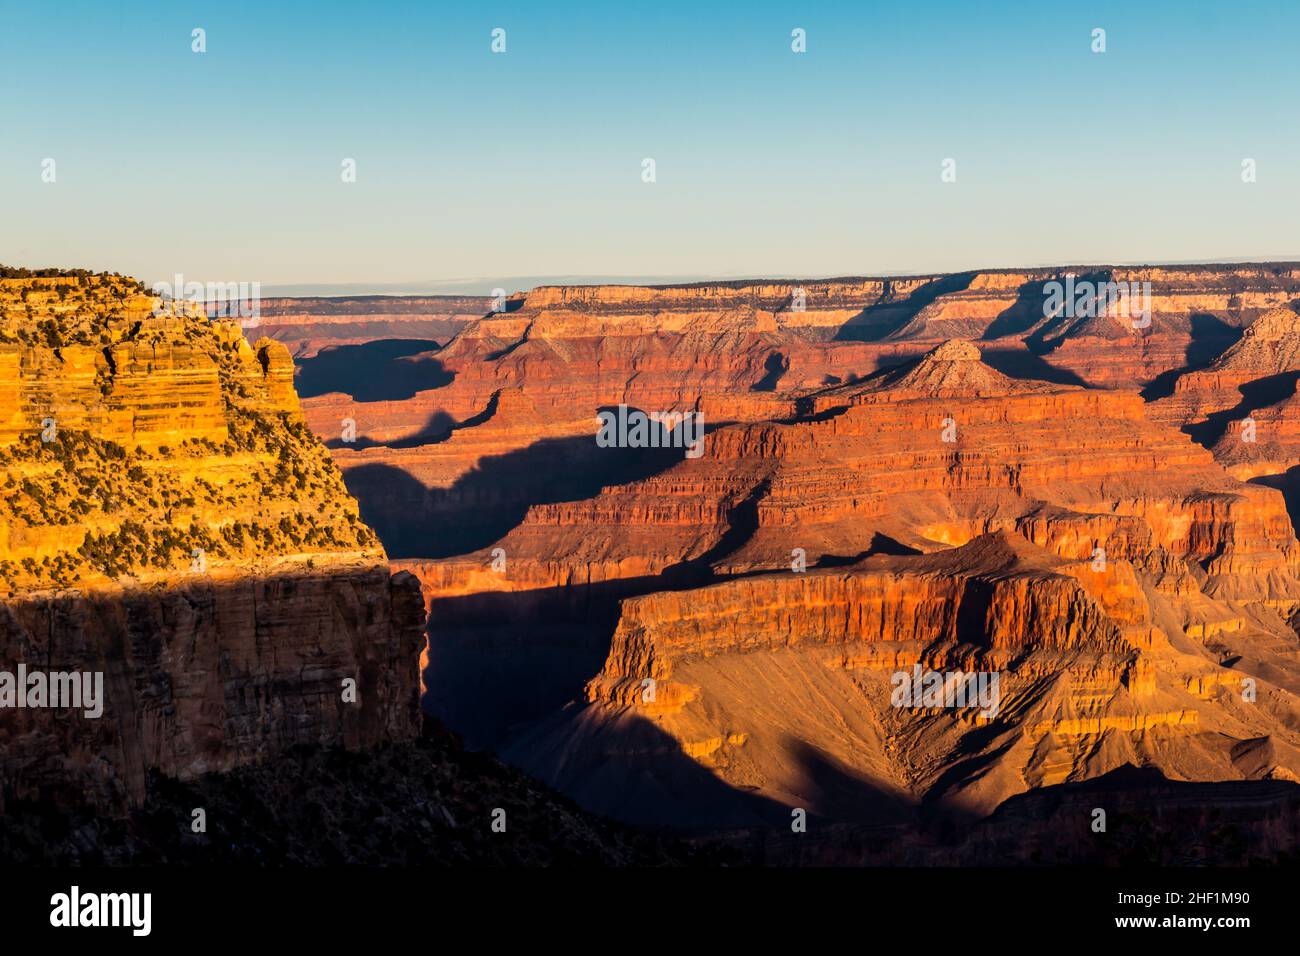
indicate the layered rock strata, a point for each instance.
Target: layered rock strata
{"x":171,"y":527}
{"x":747,"y":611}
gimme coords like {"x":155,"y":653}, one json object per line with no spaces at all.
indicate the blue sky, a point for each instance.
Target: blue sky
{"x":225,"y":165}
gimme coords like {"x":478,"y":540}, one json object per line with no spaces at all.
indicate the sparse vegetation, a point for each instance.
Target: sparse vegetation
{"x":100,"y":509}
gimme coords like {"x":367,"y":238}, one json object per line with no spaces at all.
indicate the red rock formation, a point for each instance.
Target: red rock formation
{"x":308,"y":324}
{"x":1124,"y":565}
{"x":972,"y":478}
{"x":1243,"y":405}
{"x":749,"y":352}
{"x":1269,"y":347}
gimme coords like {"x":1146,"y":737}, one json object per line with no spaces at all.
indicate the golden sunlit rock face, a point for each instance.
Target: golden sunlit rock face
{"x":169,"y":523}
{"x":130,"y":437}
{"x":900,"y":478}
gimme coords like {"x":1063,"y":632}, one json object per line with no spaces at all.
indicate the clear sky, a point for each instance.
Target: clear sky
{"x":226,"y":165}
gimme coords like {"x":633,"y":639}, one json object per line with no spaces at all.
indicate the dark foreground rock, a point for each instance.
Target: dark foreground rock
{"x":429,"y":802}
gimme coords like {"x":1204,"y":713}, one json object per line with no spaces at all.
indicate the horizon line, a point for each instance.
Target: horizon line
{"x":462,"y":287}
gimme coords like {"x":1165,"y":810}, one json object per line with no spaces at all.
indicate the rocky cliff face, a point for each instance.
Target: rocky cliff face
{"x":308,"y":324}
{"x":1243,"y":404}
{"x":940,"y":512}
{"x":170,"y":523}
{"x":953,"y":472}
{"x":433,"y":424}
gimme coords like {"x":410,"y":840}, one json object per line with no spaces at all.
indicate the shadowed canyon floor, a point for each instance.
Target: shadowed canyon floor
{"x":934,"y":472}
{"x":423,"y":803}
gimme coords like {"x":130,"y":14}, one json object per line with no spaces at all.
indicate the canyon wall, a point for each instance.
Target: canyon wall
{"x":936,"y":471}
{"x":416,"y":429}
{"x":170,"y":524}
{"x":308,"y":324}
{"x":956,"y":472}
